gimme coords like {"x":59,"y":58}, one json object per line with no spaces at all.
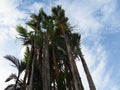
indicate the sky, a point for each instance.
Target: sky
{"x":96,"y":20}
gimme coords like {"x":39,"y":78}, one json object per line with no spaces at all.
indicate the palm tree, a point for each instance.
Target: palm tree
{"x":27,"y":38}
{"x":20,"y":67}
{"x":45,"y":65}
{"x":88,"y":75}
{"x":59,"y":15}
{"x":76,"y":44}
{"x":31,"y":38}
{"x":46,"y":26}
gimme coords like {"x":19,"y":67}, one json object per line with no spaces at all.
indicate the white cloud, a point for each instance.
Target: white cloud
{"x":10,"y":16}
{"x":35,"y":7}
{"x":91,"y":16}
{"x":9,"y":13}
{"x":22,"y":50}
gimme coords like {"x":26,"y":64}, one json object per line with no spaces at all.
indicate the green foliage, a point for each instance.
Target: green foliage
{"x":27,"y":55}
{"x":22,"y":31}
{"x":59,"y":14}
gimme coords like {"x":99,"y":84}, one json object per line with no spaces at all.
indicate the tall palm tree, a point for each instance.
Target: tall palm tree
{"x":54,"y":38}
{"x":59,"y":15}
{"x":27,"y":38}
{"x":45,"y":61}
{"x":88,"y":75}
{"x":46,"y":65}
{"x":62,"y":20}
{"x":31,"y":38}
{"x":76,"y":44}
{"x":76,"y":38}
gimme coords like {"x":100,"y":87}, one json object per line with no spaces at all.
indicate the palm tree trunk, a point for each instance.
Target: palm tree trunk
{"x":45,"y":64}
{"x":55,"y":63}
{"x":76,"y":81}
{"x":88,"y":75}
{"x":28,"y":68}
{"x":30,"y":86}
{"x":78,"y":76}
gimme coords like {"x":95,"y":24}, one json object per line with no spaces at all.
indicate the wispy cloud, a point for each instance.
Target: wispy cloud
{"x":10,"y":16}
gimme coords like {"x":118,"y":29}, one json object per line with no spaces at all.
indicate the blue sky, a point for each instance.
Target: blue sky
{"x":96,"y":20}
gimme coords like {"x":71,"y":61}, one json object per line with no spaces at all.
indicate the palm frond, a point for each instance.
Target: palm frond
{"x":12,"y":76}
{"x":22,"y":66}
{"x":32,"y":24}
{"x":10,"y":87}
{"x":22,"y":31}
{"x":27,"y":55}
{"x":14,"y":60}
{"x":33,"y":16}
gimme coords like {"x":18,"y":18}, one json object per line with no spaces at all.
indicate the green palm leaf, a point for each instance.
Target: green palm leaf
{"x":22,"y":31}
{"x":14,"y":60}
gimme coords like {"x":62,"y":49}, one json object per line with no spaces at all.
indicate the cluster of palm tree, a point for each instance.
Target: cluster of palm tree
{"x":51,"y":51}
